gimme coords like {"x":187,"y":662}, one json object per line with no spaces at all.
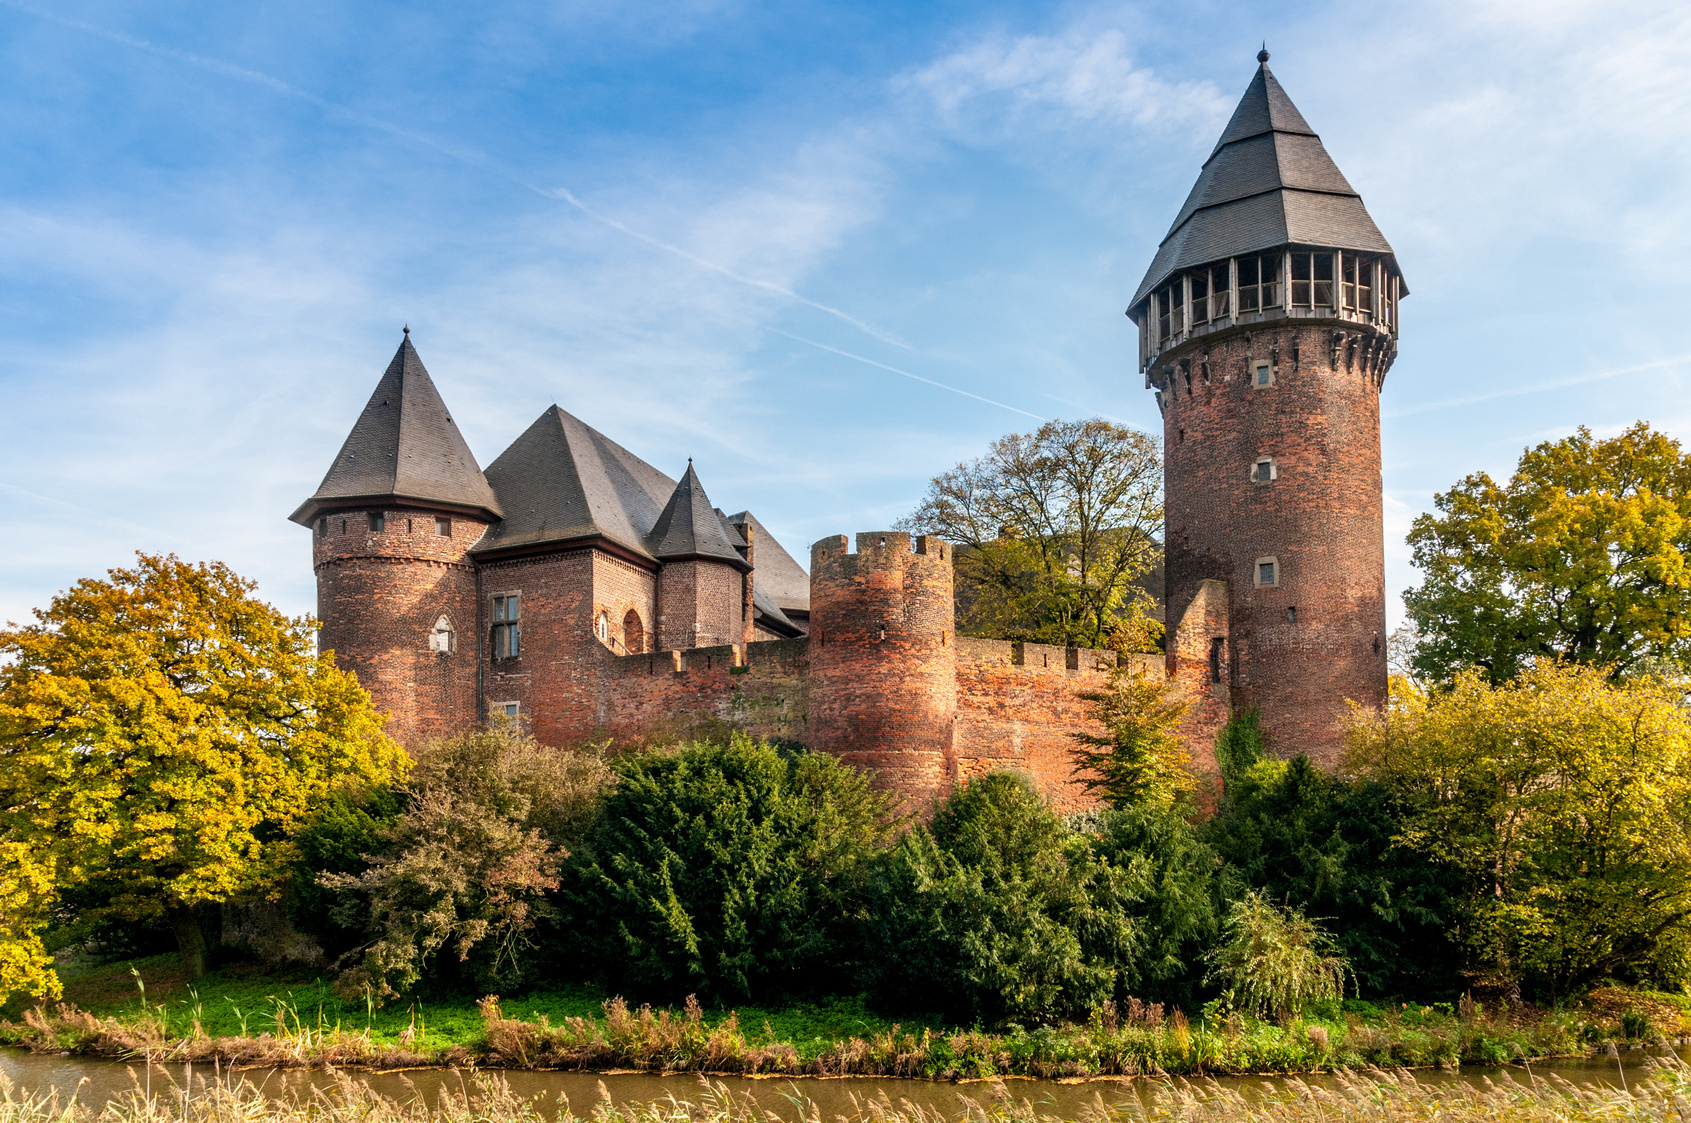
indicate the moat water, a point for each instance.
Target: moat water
{"x":95,"y":1081}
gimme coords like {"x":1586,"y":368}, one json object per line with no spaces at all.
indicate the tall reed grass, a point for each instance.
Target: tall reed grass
{"x":1376,"y":1095}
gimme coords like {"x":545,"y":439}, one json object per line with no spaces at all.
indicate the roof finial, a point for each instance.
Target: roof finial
{"x":407,"y":330}
{"x":1262,"y":55}
{"x":689,"y":462}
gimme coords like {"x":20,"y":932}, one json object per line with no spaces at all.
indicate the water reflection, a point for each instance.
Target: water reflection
{"x":94,"y":1082}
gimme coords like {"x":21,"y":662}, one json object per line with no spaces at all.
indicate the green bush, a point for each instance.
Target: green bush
{"x":997,"y":911}
{"x":340,"y":837}
{"x":726,"y":870}
{"x":1275,"y":961}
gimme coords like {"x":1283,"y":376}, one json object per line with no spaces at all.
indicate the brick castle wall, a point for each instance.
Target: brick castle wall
{"x":1299,"y":649}
{"x":379,"y":596}
{"x":883,"y":690}
{"x":699,"y":605}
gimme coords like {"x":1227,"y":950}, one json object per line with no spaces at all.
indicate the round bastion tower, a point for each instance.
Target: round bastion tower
{"x":883,"y":659}
{"x":391,"y":529}
{"x":1267,"y":323}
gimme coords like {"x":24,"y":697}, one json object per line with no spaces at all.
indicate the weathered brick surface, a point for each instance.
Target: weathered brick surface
{"x":619,"y":588}
{"x":1199,"y":660}
{"x":379,"y":596}
{"x":763,"y":689}
{"x":1017,"y":710}
{"x":1320,"y":517}
{"x":553,"y":677}
{"x":883,"y":690}
{"x":700,"y":604}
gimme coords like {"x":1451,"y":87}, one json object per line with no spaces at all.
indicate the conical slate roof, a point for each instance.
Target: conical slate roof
{"x":690,"y":527}
{"x":404,"y":446}
{"x":1268,"y":183}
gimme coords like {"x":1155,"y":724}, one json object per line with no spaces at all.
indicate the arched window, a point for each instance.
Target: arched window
{"x":602,"y":626}
{"x":440,"y":638}
{"x":633,"y":633}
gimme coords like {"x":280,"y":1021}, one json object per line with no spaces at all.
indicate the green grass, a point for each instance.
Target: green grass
{"x":239,"y":1001}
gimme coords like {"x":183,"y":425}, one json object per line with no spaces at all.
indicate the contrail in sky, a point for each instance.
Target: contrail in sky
{"x":895,"y":370}
{"x":1538,"y":387}
{"x":471,"y":156}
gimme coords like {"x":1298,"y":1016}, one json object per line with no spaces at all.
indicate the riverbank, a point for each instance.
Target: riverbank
{"x":246,"y":1019}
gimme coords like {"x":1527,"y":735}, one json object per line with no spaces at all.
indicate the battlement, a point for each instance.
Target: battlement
{"x":877,"y":549}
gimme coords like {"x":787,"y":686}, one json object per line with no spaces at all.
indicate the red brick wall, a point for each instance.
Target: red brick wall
{"x":1321,"y":517}
{"x":621,"y":587}
{"x":1016,"y":710}
{"x":553,"y":678}
{"x":762,"y":689}
{"x":702,"y":593}
{"x":883,"y":690}
{"x":379,"y":595}
{"x":1199,"y":660}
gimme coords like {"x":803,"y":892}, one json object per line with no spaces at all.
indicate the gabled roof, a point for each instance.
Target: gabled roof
{"x":690,"y":528}
{"x":1268,"y":183}
{"x":404,"y":446}
{"x":784,"y":578}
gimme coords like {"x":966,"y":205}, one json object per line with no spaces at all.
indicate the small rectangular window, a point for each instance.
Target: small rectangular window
{"x":323,"y":527}
{"x":1221,"y":300}
{"x":1262,"y":471}
{"x":508,"y":709}
{"x":1300,"y":280}
{"x":1264,"y":375}
{"x":1200,"y":298}
{"x":1323,"y":280}
{"x":377,"y":522}
{"x":443,"y":527}
{"x":1249,"y":300}
{"x":1267,"y":573}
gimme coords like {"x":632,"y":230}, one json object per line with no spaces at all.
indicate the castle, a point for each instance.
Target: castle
{"x":582,"y":591}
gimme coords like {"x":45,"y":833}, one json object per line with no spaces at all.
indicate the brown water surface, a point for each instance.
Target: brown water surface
{"x":95,"y":1081}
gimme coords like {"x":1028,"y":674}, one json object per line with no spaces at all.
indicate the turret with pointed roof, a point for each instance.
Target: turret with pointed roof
{"x":404,"y":448}
{"x":1268,"y":319}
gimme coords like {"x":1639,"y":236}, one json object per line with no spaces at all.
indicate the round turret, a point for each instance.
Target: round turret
{"x":883,"y":688}
{"x":396,"y":595}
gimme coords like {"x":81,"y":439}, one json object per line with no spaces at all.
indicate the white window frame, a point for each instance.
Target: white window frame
{"x":1273,"y":470}
{"x":508,"y":709}
{"x":506,"y":624}
{"x":1256,"y":573}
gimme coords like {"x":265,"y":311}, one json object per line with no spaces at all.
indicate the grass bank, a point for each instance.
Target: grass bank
{"x":242,"y":1018}
{"x":1397,"y":1097}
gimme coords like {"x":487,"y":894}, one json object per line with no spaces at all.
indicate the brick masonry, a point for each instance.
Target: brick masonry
{"x":1299,"y":649}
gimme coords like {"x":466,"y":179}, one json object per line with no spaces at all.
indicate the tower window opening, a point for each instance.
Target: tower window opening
{"x":378,"y":522}
{"x":602,"y":627}
{"x":1312,"y":280}
{"x":1200,"y":297}
{"x":408,"y":526}
{"x":440,"y":638}
{"x":1358,"y":286}
{"x":1267,"y":573}
{"x":323,"y":528}
{"x":443,"y":526}
{"x":1221,"y":294}
{"x":1218,"y":646}
{"x":1259,"y":283}
{"x":1263,"y":470}
{"x":1263,"y":375}
{"x":507,"y":626}
{"x":1169,"y":320}
{"x":1292,"y":614}
{"x":343,"y":526}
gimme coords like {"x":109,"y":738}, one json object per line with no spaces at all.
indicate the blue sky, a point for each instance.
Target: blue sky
{"x":709,"y":229}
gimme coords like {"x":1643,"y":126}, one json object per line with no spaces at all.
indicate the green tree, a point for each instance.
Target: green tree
{"x":1580,"y":556}
{"x":470,"y":864}
{"x":730,"y":870}
{"x":1563,"y":799}
{"x":998,"y":911}
{"x":167,"y":733}
{"x":1140,"y":756}
{"x":1053,"y":529}
{"x":1275,"y":961}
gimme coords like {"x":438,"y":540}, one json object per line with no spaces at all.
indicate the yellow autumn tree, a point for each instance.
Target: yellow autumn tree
{"x":163,"y":734}
{"x":1564,"y":798}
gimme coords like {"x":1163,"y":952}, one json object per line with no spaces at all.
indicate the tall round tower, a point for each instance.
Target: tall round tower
{"x":883,"y":659}
{"x":1267,"y":323}
{"x":391,"y":528}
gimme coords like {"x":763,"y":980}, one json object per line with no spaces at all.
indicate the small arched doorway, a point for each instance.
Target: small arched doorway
{"x":633,"y":633}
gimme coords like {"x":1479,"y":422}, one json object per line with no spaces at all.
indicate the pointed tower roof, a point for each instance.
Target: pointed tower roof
{"x":405,"y":447}
{"x":690,"y":527}
{"x":1268,"y":183}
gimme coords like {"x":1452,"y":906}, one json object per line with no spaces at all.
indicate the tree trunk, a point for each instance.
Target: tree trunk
{"x":190,"y":941}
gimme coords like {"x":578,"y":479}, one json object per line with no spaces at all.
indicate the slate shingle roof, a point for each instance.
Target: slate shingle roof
{"x":690,"y":527}
{"x":1268,"y":183}
{"x":786,"y":580}
{"x":404,"y":446}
